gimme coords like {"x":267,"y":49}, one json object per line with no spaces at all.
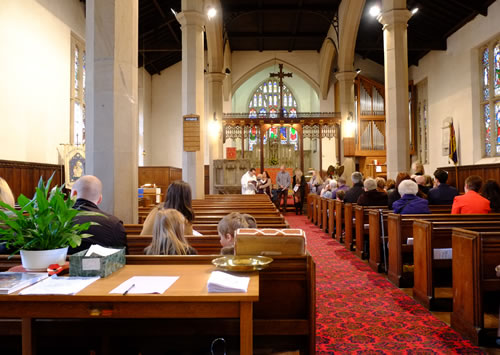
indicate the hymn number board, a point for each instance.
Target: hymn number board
{"x":191,"y":130}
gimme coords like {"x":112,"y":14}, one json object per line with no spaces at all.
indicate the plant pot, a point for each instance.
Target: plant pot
{"x":39,"y":260}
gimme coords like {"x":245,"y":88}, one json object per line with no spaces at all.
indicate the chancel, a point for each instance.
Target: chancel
{"x":340,"y":100}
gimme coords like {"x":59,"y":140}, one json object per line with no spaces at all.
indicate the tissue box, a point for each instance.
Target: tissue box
{"x":81,"y":265}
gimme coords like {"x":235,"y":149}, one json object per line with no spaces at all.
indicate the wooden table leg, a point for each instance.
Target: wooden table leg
{"x":246,"y":328}
{"x":27,"y":341}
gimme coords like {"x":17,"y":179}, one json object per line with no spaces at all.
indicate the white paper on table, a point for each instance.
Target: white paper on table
{"x":222,"y":282}
{"x":146,"y":284}
{"x":442,"y":253}
{"x":55,"y":285}
{"x":197,"y":234}
{"x":101,"y":251}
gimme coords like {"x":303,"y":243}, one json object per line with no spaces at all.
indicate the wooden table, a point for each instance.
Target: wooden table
{"x":186,"y":298}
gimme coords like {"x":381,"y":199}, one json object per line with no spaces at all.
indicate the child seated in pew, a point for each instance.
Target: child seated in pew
{"x":228,"y":225}
{"x":168,"y":235}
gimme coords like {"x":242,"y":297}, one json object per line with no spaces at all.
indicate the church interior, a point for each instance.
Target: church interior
{"x":141,"y":93}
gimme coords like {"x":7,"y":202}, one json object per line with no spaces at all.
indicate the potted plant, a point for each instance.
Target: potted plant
{"x":43,"y":228}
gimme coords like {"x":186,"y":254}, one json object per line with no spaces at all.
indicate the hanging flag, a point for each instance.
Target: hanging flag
{"x":453,"y":145}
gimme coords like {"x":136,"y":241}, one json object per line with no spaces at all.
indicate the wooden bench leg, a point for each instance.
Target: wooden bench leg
{"x":27,"y":336}
{"x":246,"y":328}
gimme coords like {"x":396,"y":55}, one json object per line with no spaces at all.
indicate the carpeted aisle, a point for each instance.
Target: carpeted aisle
{"x":359,"y":311}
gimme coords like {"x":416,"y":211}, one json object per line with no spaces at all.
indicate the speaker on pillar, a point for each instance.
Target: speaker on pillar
{"x":348,"y":146}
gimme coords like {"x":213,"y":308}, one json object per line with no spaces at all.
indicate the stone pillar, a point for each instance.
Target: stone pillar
{"x":215,"y":81}
{"x":111,"y":103}
{"x":192,"y":21}
{"x":394,"y":18}
{"x":346,"y":98}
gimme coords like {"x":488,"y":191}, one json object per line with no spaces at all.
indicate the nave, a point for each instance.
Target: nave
{"x":360,"y":311}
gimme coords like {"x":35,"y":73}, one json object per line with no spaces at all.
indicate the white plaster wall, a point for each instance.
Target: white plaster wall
{"x":166,"y":117}
{"x":453,"y":89}
{"x":306,"y":97}
{"x":35,"y":77}
{"x":244,"y":61}
{"x":369,"y":68}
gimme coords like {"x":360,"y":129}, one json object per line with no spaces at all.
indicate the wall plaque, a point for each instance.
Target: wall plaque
{"x":191,"y":133}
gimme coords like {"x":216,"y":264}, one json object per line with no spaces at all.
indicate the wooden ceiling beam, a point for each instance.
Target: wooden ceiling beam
{"x":164,"y":17}
{"x":295,"y":26}
{"x":278,"y":35}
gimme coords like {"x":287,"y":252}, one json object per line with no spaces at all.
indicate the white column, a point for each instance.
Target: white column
{"x":395,"y":18}
{"x":192,"y":22}
{"x":215,"y":81}
{"x":112,"y":110}
{"x":346,"y":104}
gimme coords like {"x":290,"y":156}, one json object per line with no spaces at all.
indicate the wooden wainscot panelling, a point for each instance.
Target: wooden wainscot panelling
{"x":23,"y":177}
{"x":161,"y":176}
{"x":485,"y":171}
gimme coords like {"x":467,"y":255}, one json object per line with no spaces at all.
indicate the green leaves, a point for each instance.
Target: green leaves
{"x":45,"y":222}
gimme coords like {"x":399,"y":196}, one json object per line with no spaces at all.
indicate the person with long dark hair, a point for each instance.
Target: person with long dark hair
{"x":179,"y":198}
{"x":491,"y":190}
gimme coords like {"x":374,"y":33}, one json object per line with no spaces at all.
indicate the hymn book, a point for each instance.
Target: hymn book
{"x":12,"y":281}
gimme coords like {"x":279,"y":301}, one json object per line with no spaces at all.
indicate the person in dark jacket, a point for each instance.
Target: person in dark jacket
{"x":409,"y":203}
{"x":352,"y":195}
{"x":371,"y":196}
{"x":491,"y":191}
{"x":299,"y":191}
{"x":442,"y":194}
{"x":394,"y":195}
{"x":110,"y":231}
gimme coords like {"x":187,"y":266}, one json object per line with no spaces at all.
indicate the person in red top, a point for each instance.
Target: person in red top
{"x":472,"y":201}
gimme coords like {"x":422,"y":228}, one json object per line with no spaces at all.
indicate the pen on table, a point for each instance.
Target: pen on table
{"x":128,"y":289}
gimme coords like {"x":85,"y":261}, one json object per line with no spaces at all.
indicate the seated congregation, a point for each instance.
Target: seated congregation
{"x":440,"y":245}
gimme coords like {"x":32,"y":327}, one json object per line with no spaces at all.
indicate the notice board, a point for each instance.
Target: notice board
{"x":191,"y":132}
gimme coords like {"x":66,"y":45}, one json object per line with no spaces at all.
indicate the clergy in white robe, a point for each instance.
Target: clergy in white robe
{"x":249,"y":183}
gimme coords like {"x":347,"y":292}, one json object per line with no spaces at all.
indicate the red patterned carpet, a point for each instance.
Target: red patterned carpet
{"x":359,"y":311}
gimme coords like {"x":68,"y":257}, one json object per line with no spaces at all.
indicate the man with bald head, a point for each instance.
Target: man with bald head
{"x":110,"y":231}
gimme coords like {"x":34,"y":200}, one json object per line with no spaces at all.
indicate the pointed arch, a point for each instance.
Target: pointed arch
{"x":258,"y":68}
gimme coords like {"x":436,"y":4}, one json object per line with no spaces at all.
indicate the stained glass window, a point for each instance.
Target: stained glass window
{"x":497,"y":69}
{"x":497,"y":121}
{"x":77,"y":99}
{"x":294,"y":138}
{"x":486,"y":75}
{"x":487,"y":123}
{"x":490,"y":95}
{"x":283,"y":135}
{"x":266,"y":100}
{"x":252,"y":137}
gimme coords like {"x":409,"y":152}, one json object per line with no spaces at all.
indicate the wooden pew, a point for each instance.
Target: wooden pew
{"x":324,"y":214}
{"x":339,"y":220}
{"x":430,"y":273}
{"x":376,"y":246}
{"x":284,"y":314}
{"x":315,"y":200}
{"x":310,"y":205}
{"x":348,"y":226}
{"x":331,"y":217}
{"x":361,"y":217}
{"x":475,"y":255}
{"x":318,"y":211}
{"x":400,"y":228}
{"x":205,"y":245}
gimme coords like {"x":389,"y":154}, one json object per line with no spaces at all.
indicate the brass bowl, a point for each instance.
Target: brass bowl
{"x":242,"y":263}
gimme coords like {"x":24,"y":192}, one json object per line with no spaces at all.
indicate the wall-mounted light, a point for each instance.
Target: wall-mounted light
{"x":174,"y":12}
{"x":374,"y":11}
{"x":358,"y":70}
{"x":211,"y":13}
{"x":214,"y":127}
{"x":414,"y":10}
{"x":350,"y":125}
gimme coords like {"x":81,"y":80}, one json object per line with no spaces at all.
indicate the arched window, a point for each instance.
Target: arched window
{"x":266,"y":101}
{"x":490,"y":97}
